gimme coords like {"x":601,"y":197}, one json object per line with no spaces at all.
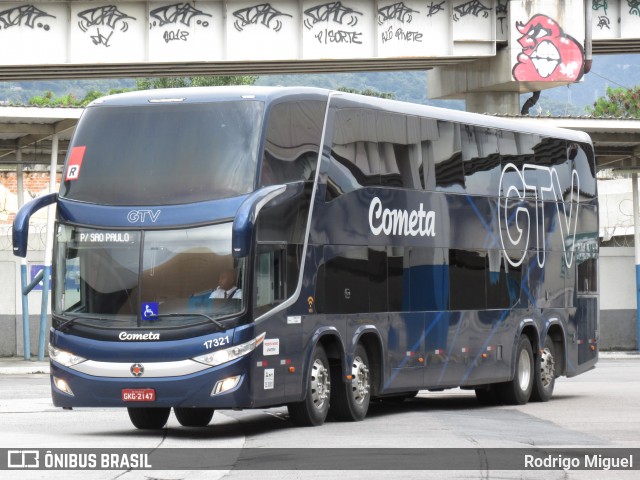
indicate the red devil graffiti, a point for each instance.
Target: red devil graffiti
{"x":548,"y":54}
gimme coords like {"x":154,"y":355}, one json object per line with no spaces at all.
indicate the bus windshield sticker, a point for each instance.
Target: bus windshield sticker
{"x":269,"y":377}
{"x":271,"y":346}
{"x":105,"y":237}
{"x":75,"y":162}
{"x":150,"y":311}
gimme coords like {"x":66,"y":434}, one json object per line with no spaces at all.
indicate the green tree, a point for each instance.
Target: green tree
{"x":618,"y":102}
{"x":369,"y":92}
{"x":177,"y":82}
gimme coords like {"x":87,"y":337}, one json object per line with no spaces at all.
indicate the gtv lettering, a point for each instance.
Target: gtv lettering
{"x":401,"y":222}
{"x":142,"y":216}
{"x":536,"y":184}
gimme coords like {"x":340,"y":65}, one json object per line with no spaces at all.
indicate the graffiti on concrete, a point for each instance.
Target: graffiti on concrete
{"x":502,"y":10}
{"x":397,"y":11}
{"x":474,"y":7}
{"x":331,"y":12}
{"x":178,"y":14}
{"x":183,"y":13}
{"x":548,"y":54}
{"x":263,"y":14}
{"x":108,"y":16}
{"x":434,"y":8}
{"x":603,"y":20}
{"x":600,"y":5}
{"x":634,"y":7}
{"x":24,"y":15}
{"x":337,"y":13}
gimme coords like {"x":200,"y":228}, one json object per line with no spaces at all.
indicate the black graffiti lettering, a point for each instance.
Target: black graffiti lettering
{"x":108,"y":15}
{"x":182,"y":13}
{"x":100,"y":39}
{"x":634,"y":7}
{"x":435,"y":8}
{"x":333,"y":11}
{"x":26,"y":15}
{"x":408,"y":36}
{"x":600,"y":4}
{"x":474,"y":7}
{"x":502,"y":7}
{"x":603,"y":22}
{"x":171,"y":35}
{"x":263,"y":14}
{"x":338,"y":36}
{"x":397,"y":11}
{"x":388,"y":35}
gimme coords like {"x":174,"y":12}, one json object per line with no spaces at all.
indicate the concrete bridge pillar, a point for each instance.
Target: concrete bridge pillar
{"x":505,"y":103}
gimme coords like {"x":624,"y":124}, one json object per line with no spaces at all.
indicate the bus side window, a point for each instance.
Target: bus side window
{"x":270,"y":277}
{"x":481,"y":160}
{"x":447,"y":158}
{"x":292,"y":142}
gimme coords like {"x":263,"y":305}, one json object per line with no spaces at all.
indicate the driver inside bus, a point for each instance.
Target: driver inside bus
{"x":227,"y":286}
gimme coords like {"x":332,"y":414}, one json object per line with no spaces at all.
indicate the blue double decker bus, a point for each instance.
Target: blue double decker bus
{"x":244,"y":247}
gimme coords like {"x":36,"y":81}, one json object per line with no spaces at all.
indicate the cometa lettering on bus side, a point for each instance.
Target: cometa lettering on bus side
{"x":401,"y":222}
{"x":139,"y":336}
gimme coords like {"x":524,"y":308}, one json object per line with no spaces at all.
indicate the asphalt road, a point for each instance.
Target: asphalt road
{"x":599,"y":409}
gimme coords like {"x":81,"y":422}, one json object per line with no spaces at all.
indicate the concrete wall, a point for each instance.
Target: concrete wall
{"x":618,"y":318}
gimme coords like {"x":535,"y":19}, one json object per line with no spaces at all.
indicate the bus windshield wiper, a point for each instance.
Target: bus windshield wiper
{"x":82,"y":317}
{"x":191,"y":314}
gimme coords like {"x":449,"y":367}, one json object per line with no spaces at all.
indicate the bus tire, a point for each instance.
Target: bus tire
{"x":145,"y":418}
{"x":193,"y":417}
{"x":518,"y":390}
{"x":544,"y":373}
{"x":350,"y":399}
{"x":313,"y":410}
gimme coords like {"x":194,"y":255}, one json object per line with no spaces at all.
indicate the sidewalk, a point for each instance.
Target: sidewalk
{"x":19,"y":366}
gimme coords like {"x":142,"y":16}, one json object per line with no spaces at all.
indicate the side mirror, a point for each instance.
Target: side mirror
{"x":245,"y":222}
{"x":21,"y":222}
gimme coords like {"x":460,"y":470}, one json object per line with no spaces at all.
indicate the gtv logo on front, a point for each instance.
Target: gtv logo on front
{"x":142,"y":216}
{"x":538,"y":184}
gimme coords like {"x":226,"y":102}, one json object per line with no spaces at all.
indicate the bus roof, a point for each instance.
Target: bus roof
{"x":269,"y":94}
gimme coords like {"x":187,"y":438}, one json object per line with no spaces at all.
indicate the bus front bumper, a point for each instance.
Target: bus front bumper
{"x":103,"y":384}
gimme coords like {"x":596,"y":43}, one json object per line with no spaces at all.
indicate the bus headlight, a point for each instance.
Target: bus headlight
{"x":64,"y":358}
{"x":228,"y":354}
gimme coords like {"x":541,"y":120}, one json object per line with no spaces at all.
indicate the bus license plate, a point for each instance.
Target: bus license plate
{"x":138,"y":395}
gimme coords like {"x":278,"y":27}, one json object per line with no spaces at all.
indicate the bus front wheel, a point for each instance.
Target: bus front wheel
{"x":518,"y":390}
{"x":193,"y":417}
{"x":148,"y":418}
{"x":350,"y":399}
{"x":313,"y":410}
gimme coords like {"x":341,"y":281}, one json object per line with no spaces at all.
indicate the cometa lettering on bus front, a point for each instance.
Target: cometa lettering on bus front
{"x":139,"y":336}
{"x":401,"y":222}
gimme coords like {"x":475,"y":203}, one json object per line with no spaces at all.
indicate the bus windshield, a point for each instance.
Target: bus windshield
{"x":150,"y":279}
{"x":163,"y":154}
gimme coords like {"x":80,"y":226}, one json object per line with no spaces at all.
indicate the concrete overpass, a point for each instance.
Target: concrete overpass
{"x":487,"y":51}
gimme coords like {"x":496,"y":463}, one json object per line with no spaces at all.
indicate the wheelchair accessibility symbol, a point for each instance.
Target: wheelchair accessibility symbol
{"x":150,"y":311}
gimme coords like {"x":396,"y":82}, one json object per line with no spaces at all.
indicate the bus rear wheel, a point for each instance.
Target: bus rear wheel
{"x":313,"y":410}
{"x":193,"y":417}
{"x":518,"y":390}
{"x":545,"y":373}
{"x":350,"y":399}
{"x":148,"y":418}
